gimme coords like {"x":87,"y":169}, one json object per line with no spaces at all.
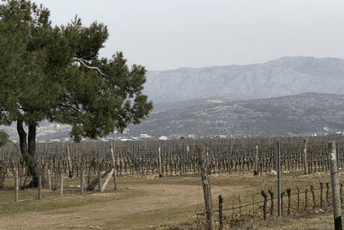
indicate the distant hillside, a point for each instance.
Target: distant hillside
{"x":281,"y":77}
{"x":302,"y":114}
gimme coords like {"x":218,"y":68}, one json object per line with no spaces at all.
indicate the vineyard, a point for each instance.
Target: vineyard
{"x":63,"y":166}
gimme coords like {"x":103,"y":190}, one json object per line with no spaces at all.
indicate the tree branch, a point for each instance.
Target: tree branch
{"x":89,"y":67}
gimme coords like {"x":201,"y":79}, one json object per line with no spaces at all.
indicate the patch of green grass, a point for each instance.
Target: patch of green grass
{"x":52,"y":201}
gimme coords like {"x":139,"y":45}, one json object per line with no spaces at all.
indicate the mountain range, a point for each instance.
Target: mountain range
{"x":286,"y":96}
{"x":280,"y":77}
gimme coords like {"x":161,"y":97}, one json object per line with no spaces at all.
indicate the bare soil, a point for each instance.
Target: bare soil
{"x":161,"y":204}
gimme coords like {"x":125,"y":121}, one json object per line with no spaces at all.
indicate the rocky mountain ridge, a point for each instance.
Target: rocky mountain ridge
{"x":280,"y":77}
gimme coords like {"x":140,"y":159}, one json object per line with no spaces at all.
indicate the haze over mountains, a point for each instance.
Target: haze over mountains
{"x":280,"y":77}
{"x":286,"y":96}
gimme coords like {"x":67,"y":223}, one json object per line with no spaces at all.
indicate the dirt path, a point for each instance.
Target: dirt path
{"x":95,"y":216}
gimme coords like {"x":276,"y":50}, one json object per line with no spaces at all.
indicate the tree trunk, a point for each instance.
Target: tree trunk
{"x":28,"y":149}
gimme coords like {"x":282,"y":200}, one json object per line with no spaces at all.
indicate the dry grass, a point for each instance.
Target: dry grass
{"x":170,"y":216}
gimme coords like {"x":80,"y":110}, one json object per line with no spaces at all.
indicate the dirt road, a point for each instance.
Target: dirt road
{"x":117,"y":214}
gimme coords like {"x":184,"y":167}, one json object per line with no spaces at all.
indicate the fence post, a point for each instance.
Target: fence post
{"x":69,"y":163}
{"x":335,"y":186}
{"x":16,"y":185}
{"x":341,"y":196}
{"x":99,"y":176}
{"x":256,"y":171}
{"x":305,"y":168}
{"x":206,"y":186}
{"x":321,"y":194}
{"x":298,"y":199}
{"x":230,"y":158}
{"x":282,"y":194}
{"x":82,"y":181}
{"x":49,"y":180}
{"x":61,"y":182}
{"x":159,"y":153}
{"x":278,"y":169}
{"x":220,"y":211}
{"x":40,"y":185}
{"x":114,"y":166}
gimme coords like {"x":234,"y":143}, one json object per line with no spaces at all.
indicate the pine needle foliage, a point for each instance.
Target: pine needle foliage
{"x":55,"y":73}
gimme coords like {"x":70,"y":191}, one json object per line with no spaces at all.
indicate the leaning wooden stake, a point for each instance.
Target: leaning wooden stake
{"x":206,"y":186}
{"x":69,"y":164}
{"x":335,"y":186}
{"x":159,"y":151}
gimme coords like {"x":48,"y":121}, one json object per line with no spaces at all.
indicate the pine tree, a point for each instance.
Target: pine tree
{"x":56,"y":73}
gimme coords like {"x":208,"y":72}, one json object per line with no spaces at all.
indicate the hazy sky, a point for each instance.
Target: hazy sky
{"x":170,"y":34}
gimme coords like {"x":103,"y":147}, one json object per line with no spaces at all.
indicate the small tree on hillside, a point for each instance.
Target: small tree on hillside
{"x":55,"y":73}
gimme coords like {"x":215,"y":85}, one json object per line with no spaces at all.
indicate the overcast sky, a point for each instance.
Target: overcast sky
{"x":170,"y":34}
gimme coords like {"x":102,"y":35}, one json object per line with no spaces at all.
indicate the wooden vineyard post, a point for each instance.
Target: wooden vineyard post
{"x":298,"y":199}
{"x":337,"y":155}
{"x":159,"y":153}
{"x":256,"y":172}
{"x":321,"y":194}
{"x":99,"y":176}
{"x":114,"y":167}
{"x":107,"y":179}
{"x":230,"y":159}
{"x":335,"y":186}
{"x":69,"y":163}
{"x":82,"y":181}
{"x":341,"y":197}
{"x":282,"y":194}
{"x":220,"y":211}
{"x":40,"y":186}
{"x":305,"y":168}
{"x":327,"y":193}
{"x":49,"y":179}
{"x":206,"y":186}
{"x":138,"y":159}
{"x":61,"y":182}
{"x":253,"y":207}
{"x":16,"y":187}
{"x":306,"y":191}
{"x":278,"y":169}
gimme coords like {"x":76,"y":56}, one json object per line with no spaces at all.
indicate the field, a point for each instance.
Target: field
{"x":169,"y":195}
{"x":159,"y":203}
